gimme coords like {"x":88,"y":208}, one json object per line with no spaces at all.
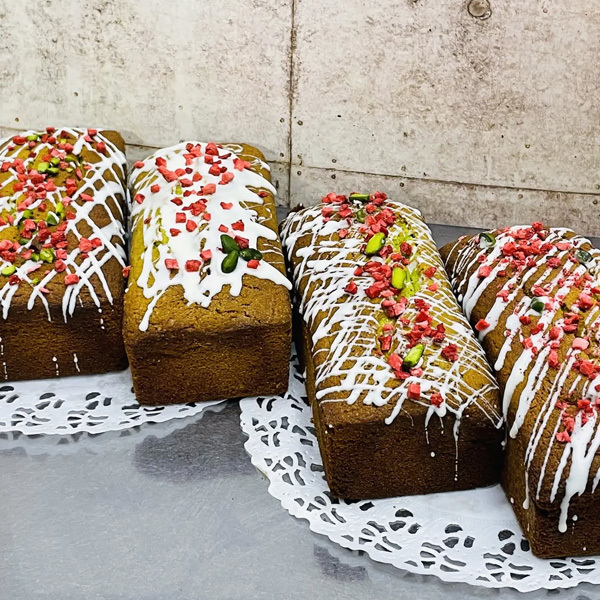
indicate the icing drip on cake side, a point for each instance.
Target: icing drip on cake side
{"x":559,"y":337}
{"x":188,"y":196}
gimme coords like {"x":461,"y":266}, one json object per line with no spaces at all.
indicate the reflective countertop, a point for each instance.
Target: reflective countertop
{"x":177,"y":511}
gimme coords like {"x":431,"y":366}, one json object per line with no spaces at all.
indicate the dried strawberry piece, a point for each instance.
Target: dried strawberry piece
{"x":553,"y":262}
{"x":484,"y":271}
{"x":206,"y":255}
{"x":537,"y":328}
{"x":238,"y":225}
{"x":481,"y":325}
{"x":351,"y":288}
{"x":253,"y":263}
{"x":243,"y":243}
{"x":240,"y":164}
{"x":192,"y":266}
{"x":553,"y":359}
{"x":436,"y":399}
{"x":171,"y":264}
{"x":585,"y":301}
{"x":563,"y":437}
{"x":414,"y":391}
{"x":209,"y":189}
{"x":554,"y":333}
{"x":395,"y":362}
{"x":126,"y":271}
{"x":71,"y":279}
{"x":450,"y":352}
{"x":385,"y":342}
{"x":211,"y":149}
{"x":580,"y":344}
{"x":190,"y":225}
{"x":430,"y":272}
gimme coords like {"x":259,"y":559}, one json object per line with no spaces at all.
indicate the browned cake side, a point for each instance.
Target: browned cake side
{"x":533,"y":294}
{"x":382,"y":430}
{"x":192,"y":331}
{"x":62,"y":198}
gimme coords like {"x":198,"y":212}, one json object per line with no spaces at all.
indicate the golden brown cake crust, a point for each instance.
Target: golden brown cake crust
{"x":377,"y":437}
{"x":236,"y":345}
{"x":533,"y":293}
{"x":64,"y":191}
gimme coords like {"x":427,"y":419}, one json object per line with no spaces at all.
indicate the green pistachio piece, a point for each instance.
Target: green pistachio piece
{"x":229,"y":244}
{"x":34,"y":137}
{"x":23,"y":241}
{"x":52,"y":219}
{"x":35,"y":281}
{"x":486,"y":240}
{"x":53,"y":170}
{"x":59,"y":209}
{"x":27,"y":214}
{"x":55,"y":161}
{"x":35,"y":256}
{"x":251,"y":254}
{"x":398,"y":277}
{"x":583,"y":256}
{"x":47,"y":255}
{"x":361,"y":215}
{"x":43,"y":167}
{"x":375,"y":244}
{"x":230,"y":262}
{"x":412,"y":358}
{"x":360,"y":197}
{"x":9,"y":270}
{"x":70,"y":158}
{"x":538,"y":305}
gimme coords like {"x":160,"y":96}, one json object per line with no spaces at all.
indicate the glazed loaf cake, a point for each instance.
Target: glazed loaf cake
{"x":62,"y":199}
{"x":207,"y":310}
{"x":403,"y":399}
{"x":532,"y":293}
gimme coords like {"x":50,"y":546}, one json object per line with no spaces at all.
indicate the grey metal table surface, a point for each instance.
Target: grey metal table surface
{"x":177,"y":511}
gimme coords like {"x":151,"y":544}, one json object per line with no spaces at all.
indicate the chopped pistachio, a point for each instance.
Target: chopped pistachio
{"x":375,"y":244}
{"x":47,"y":255}
{"x":8,"y":270}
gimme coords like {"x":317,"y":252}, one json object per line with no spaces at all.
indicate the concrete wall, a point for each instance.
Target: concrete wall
{"x":479,"y":112}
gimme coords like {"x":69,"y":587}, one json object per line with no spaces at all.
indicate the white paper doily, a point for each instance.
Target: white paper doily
{"x":90,"y":403}
{"x":469,"y":537}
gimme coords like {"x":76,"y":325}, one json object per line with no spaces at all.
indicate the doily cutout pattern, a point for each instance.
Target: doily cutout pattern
{"x":89,"y":403}
{"x":469,"y":537}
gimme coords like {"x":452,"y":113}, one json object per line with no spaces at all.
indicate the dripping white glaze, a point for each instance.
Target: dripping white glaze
{"x":531,"y":367}
{"x":323,"y":267}
{"x":230,"y":203}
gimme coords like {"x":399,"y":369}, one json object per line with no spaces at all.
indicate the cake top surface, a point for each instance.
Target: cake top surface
{"x":386,"y":329}
{"x":533,"y":293}
{"x":61,"y":219}
{"x":197,"y":203}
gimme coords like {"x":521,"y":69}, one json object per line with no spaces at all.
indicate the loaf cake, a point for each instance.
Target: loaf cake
{"x":532,"y":294}
{"x":207,"y":309}
{"x":62,"y":251}
{"x":403,"y":399}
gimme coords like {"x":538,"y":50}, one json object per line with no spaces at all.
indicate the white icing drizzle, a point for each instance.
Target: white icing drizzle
{"x":76,"y":361}
{"x":347,"y":367}
{"x":575,"y":471}
{"x":232,"y":202}
{"x":95,"y":177}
